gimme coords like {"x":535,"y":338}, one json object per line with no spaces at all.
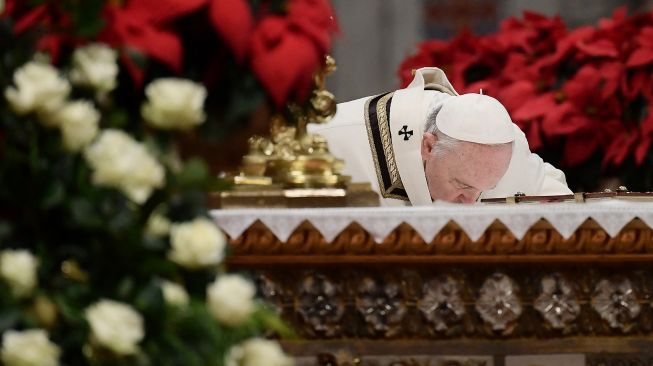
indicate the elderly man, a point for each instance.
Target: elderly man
{"x":426,"y":143}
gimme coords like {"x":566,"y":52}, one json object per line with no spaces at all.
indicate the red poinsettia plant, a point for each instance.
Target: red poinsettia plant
{"x":248,"y":53}
{"x":582,"y":96}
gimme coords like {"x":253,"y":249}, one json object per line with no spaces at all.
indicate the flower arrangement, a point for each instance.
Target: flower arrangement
{"x":582,"y":96}
{"x":252,"y":56}
{"x":107,"y":256}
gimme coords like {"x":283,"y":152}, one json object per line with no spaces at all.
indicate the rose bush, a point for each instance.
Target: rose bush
{"x":115,"y":326}
{"x":18,"y":269}
{"x":174,"y":104}
{"x":95,"y":67}
{"x":255,"y":352}
{"x":231,"y":299}
{"x":256,"y":50}
{"x":196,"y":244}
{"x":29,"y":347}
{"x":107,"y":254}
{"x":38,"y":88}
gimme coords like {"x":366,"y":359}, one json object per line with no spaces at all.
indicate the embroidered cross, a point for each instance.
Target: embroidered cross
{"x":404,"y":131}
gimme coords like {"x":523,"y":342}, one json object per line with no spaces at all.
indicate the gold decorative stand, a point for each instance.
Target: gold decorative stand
{"x":293,"y":168}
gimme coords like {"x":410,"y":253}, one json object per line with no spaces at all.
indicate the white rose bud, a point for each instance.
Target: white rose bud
{"x":29,"y":348}
{"x":116,"y":326}
{"x":256,"y":352}
{"x":157,"y":225}
{"x":174,"y":103}
{"x":172,"y":160}
{"x":79,"y":123}
{"x":18,"y":268}
{"x":95,"y":66}
{"x":196,"y":244}
{"x":174,"y":294}
{"x":231,"y":299}
{"x":121,"y":162}
{"x":39,"y":88}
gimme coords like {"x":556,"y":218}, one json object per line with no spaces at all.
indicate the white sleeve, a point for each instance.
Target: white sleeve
{"x":528,"y":173}
{"x":554,"y":181}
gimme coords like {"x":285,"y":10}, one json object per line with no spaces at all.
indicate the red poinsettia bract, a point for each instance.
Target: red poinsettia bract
{"x":588,"y":89}
{"x":284,"y":47}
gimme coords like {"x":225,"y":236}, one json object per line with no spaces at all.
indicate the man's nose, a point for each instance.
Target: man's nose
{"x":469,"y":196}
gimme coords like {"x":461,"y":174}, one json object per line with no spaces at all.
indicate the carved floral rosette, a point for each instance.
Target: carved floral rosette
{"x":454,"y":302}
{"x":541,"y":286}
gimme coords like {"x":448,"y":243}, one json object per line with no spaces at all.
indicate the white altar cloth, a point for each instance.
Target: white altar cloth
{"x":474,"y":219}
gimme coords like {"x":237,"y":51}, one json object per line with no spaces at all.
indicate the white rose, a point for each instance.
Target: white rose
{"x":78,"y":122}
{"x":257,"y":352}
{"x":174,"y":103}
{"x":121,"y":162}
{"x":197,"y":243}
{"x":29,"y":348}
{"x":231,"y":299}
{"x":116,"y":326}
{"x":39,"y":88}
{"x":18,"y":268}
{"x":95,"y":66}
{"x":157,"y":225}
{"x":174,"y":294}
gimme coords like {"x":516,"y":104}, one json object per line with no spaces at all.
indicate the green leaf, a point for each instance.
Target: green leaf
{"x":122,"y":219}
{"x":247,"y":96}
{"x":187,"y":205}
{"x":87,"y":17}
{"x":178,"y":352}
{"x":136,"y":56}
{"x":219,"y":184}
{"x":271,"y":321}
{"x":84,"y":213}
{"x":54,"y":195}
{"x":125,"y":287}
{"x":5,"y":230}
{"x":118,"y":118}
{"x":150,"y":301}
{"x":8,"y":319}
{"x":195,"y":173}
{"x":158,"y":266}
{"x":68,"y":310}
{"x":154,"y":243}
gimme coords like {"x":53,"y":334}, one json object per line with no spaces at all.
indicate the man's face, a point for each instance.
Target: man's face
{"x":460,"y":175}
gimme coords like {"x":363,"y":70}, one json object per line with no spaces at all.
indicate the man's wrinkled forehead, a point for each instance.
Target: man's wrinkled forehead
{"x":478,"y":166}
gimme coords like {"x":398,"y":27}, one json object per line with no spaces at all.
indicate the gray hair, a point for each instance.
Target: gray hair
{"x":445,"y":143}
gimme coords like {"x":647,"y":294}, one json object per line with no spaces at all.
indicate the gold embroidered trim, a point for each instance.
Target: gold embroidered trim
{"x":386,"y":139}
{"x":388,"y":150}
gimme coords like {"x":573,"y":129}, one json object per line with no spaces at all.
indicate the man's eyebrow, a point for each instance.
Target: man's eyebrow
{"x":464,"y":184}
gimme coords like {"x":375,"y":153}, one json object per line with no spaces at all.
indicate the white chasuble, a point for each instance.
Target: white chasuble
{"x":379,"y":139}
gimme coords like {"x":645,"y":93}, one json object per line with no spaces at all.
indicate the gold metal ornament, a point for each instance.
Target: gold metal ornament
{"x":293,"y":168}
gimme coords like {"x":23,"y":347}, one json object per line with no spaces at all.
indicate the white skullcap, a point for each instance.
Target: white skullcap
{"x":475,"y":118}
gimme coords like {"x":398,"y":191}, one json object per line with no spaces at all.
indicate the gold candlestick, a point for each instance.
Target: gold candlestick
{"x":293,"y":168}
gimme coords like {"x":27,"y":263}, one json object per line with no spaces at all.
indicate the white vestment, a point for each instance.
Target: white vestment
{"x":391,"y":161}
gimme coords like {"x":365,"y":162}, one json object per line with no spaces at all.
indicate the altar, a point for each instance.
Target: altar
{"x":484,"y":284}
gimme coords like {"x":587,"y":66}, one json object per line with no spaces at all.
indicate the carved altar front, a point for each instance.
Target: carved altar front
{"x":563,"y":284}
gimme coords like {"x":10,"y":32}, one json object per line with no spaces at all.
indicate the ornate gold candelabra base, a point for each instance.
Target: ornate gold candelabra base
{"x":293,"y":168}
{"x":355,"y":195}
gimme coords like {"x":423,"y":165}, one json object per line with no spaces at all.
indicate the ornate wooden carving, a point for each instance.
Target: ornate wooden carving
{"x":497,"y":288}
{"x":542,"y":242}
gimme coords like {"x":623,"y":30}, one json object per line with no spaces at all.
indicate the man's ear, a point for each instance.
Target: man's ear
{"x":428,"y":140}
